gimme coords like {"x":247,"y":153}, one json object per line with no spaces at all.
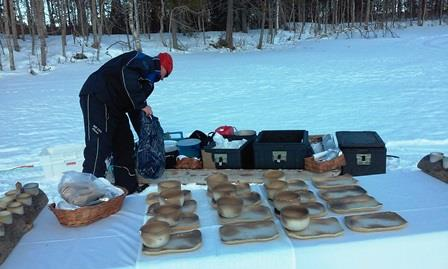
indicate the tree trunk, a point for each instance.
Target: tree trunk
{"x":51,"y":16}
{"x":263,"y":21}
{"x":82,"y":19}
{"x":40,"y":24}
{"x":22,"y":27}
{"x":162,"y":18}
{"x":63,"y":15}
{"x":133,"y":24}
{"x":173,"y":30}
{"x":277,"y":16}
{"x":100,"y":29}
{"x":6,"y":14}
{"x":244,"y":27}
{"x":270,"y":23}
{"x":367,"y":14}
{"x":229,"y":25}
{"x":94,"y":24}
{"x":422,"y":12}
{"x":31,"y":26}
{"x":12,"y":17}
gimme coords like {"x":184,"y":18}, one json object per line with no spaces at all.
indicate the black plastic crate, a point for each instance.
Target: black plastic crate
{"x":364,"y":152}
{"x":240,"y":158}
{"x":281,"y":149}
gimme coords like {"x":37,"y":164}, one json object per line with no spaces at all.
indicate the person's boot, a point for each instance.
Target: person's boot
{"x":125,"y":179}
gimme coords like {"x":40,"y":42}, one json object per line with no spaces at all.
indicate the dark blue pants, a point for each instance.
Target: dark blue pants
{"x":108,"y":133}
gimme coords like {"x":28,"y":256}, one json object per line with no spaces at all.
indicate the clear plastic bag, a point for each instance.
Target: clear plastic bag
{"x":81,"y":189}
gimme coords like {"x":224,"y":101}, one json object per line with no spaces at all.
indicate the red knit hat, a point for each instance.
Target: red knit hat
{"x":167,"y":62}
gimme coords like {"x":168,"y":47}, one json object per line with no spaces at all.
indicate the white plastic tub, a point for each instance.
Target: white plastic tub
{"x":61,"y":158}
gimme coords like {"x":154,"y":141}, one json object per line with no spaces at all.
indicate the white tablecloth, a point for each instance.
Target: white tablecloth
{"x":114,"y":242}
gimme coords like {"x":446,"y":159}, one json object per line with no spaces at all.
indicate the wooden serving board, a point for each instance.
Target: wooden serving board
{"x":360,"y":203}
{"x":315,"y":209}
{"x":250,"y":199}
{"x":187,"y":222}
{"x":341,"y":192}
{"x":306,"y":196}
{"x":297,"y":184}
{"x":318,"y":228}
{"x":249,"y":214}
{"x":325,"y":183}
{"x":153,"y":197}
{"x":258,"y":231}
{"x":179,"y":242}
{"x":188,"y":207}
{"x":375,"y":222}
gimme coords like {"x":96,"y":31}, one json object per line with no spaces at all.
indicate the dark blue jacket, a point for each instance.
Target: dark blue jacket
{"x":122,"y":83}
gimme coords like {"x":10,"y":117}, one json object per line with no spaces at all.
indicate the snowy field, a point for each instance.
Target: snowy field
{"x":395,"y":86}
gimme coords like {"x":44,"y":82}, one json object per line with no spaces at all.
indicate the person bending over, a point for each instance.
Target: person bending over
{"x":116,"y":91}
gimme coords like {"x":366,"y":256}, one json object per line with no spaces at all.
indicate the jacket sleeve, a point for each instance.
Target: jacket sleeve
{"x":134,"y":74}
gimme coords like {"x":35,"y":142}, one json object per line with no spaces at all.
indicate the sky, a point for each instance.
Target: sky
{"x":394,"y":86}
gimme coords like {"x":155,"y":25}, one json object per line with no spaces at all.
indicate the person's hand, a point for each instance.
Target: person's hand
{"x":148,"y":111}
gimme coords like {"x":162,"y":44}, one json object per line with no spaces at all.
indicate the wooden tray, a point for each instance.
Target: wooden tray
{"x":187,"y":222}
{"x":341,"y":192}
{"x":326,"y":182}
{"x":249,"y":214}
{"x":153,"y":197}
{"x":297,"y":184}
{"x":251,"y":199}
{"x":360,"y":203}
{"x":179,"y":242}
{"x":188,"y":207}
{"x":238,"y":233}
{"x":319,"y":228}
{"x":306,"y":196}
{"x":316,"y":209}
{"x":375,"y":222}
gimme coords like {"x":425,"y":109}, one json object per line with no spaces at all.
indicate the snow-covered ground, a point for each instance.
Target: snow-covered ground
{"x":395,"y":86}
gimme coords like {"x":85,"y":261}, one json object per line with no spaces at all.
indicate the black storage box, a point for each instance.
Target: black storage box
{"x":282,"y":149}
{"x":248,"y":154}
{"x":364,"y":151}
{"x":231,"y":158}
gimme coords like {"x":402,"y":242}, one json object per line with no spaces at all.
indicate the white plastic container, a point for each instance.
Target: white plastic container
{"x":61,"y":158}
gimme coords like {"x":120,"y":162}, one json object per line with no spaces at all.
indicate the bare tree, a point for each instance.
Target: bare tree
{"x":162,"y":18}
{"x":421,"y":12}
{"x":63,"y":15}
{"x":51,"y":16}
{"x":31,"y":26}
{"x":12,"y":18}
{"x":263,"y":21}
{"x":38,"y":7}
{"x":229,"y":25}
{"x":134,"y":24}
{"x":100,"y":29}
{"x":173,"y":29}
{"x":9,"y":43}
{"x":94,"y":18}
{"x":22,"y":27}
{"x":367,"y":15}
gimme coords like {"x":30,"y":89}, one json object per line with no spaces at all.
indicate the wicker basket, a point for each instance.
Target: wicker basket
{"x":320,"y":167}
{"x":88,"y":214}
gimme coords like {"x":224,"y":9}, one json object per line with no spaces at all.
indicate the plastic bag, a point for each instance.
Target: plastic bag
{"x":150,"y":148}
{"x":81,"y":189}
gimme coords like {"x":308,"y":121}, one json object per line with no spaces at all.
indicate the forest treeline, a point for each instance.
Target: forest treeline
{"x":89,"y":20}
